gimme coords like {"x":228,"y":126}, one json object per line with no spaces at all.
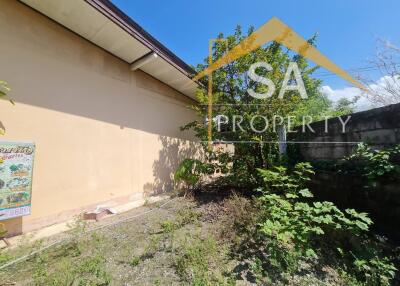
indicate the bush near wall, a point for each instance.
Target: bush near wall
{"x":367,"y":180}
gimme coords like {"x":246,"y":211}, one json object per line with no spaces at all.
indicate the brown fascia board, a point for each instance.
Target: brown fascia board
{"x":113,"y":13}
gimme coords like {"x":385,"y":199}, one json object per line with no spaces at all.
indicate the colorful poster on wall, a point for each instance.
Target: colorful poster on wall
{"x":16,"y":165}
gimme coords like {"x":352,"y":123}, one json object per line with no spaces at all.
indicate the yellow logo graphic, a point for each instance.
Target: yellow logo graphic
{"x":273,"y":30}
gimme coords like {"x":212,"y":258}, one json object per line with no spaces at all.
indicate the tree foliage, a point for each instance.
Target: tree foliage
{"x":291,"y":225}
{"x":230,"y":97}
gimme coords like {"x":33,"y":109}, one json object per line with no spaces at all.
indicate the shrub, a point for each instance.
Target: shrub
{"x":291,"y":224}
{"x":372,"y":164}
{"x":190,"y":171}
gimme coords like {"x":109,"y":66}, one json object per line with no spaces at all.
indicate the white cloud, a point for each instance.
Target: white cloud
{"x":349,"y":93}
{"x":363,"y":102}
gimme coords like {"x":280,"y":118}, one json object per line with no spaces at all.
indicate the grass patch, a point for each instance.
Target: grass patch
{"x":135,"y":261}
{"x":200,"y":261}
{"x":188,"y":246}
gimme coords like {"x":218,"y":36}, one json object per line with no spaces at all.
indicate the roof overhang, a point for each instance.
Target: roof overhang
{"x":103,"y":24}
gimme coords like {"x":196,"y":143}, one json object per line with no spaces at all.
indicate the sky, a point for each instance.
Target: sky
{"x":348,"y":30}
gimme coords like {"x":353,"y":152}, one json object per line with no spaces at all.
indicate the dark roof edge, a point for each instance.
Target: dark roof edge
{"x":113,"y":13}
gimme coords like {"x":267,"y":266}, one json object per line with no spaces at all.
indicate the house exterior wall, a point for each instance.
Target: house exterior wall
{"x":103,"y":133}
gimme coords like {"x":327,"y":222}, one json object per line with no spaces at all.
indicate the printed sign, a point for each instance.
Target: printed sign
{"x":16,"y":164}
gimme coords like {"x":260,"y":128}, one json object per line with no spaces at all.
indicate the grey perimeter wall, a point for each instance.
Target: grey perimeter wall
{"x":380,"y":127}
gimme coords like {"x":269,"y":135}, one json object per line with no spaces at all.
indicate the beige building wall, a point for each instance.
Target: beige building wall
{"x":102,"y":132}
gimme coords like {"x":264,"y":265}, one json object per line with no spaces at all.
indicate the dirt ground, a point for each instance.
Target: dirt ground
{"x":179,"y":241}
{"x":137,"y":251}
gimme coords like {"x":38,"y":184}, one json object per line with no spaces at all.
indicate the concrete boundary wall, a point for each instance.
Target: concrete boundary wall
{"x":380,"y":127}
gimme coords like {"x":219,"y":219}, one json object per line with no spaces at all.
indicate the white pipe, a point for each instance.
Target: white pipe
{"x":143,"y":61}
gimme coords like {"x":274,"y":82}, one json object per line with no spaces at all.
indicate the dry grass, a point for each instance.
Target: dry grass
{"x":149,"y":250}
{"x":192,"y":241}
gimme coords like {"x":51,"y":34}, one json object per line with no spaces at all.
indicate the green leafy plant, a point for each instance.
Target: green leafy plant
{"x":374,"y":270}
{"x":292,"y":223}
{"x":230,"y":85}
{"x":190,"y":171}
{"x":372,"y":164}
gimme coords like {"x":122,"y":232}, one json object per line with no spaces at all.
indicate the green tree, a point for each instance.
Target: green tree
{"x":344,"y":106}
{"x":230,"y":97}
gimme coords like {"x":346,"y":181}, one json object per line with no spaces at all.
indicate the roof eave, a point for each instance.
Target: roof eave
{"x":112,"y":12}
